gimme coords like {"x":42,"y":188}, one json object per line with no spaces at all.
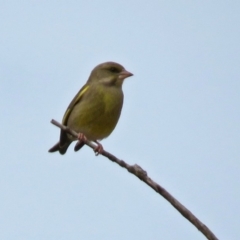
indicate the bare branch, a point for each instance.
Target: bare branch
{"x":142,"y":175}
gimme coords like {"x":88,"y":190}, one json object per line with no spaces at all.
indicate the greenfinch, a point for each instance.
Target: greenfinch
{"x":95,"y":110}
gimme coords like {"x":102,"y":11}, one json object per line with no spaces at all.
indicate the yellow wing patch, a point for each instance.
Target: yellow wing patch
{"x":75,"y":100}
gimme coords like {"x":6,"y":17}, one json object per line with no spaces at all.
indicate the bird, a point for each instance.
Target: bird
{"x":95,"y":110}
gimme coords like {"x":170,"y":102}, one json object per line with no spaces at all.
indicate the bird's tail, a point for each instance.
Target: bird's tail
{"x":61,"y":148}
{"x":78,"y":145}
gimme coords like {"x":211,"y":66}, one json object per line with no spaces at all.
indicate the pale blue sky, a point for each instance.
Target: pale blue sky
{"x":180,"y":120}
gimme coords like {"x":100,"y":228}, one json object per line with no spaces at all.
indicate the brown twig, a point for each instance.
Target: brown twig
{"x":142,"y":175}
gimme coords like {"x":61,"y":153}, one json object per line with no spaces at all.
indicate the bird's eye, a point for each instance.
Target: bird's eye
{"x":113,"y":69}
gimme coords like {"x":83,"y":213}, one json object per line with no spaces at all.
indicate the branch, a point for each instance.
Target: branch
{"x":142,"y":175}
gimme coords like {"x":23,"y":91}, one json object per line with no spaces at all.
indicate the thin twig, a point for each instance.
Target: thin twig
{"x":142,"y":175}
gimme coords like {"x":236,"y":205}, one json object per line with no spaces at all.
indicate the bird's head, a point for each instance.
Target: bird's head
{"x":109,"y":73}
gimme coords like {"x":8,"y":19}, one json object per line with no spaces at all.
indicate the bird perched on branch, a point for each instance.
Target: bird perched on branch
{"x":95,"y":110}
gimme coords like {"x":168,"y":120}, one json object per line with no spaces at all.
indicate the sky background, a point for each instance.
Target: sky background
{"x":180,"y":120}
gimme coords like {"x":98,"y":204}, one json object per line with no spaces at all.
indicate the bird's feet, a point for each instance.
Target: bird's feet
{"x":81,"y":141}
{"x":98,"y":149}
{"x":81,"y":137}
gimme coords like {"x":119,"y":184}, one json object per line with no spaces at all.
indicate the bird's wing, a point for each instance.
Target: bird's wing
{"x":75,"y":100}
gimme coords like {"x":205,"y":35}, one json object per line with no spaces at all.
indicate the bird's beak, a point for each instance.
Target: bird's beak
{"x":124,"y":74}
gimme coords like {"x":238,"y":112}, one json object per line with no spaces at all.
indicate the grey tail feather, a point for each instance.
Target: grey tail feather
{"x":78,"y":145}
{"x":62,"y":149}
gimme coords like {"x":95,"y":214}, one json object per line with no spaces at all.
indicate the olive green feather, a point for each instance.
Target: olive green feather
{"x":96,"y":108}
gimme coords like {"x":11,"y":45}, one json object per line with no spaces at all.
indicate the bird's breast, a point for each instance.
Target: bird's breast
{"x":97,"y":114}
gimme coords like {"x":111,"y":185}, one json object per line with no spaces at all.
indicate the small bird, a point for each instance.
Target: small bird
{"x":95,"y":110}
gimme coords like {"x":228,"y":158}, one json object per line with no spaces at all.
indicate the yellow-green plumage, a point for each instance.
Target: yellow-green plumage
{"x":96,"y":108}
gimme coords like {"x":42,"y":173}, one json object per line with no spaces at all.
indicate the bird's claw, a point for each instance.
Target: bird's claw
{"x":98,"y":149}
{"x":81,"y":137}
